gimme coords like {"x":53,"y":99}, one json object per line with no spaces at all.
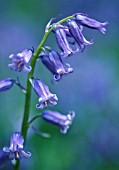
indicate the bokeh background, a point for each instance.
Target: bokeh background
{"x":92,"y":142}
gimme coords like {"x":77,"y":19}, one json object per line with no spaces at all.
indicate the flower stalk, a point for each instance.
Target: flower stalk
{"x":25,"y":124}
{"x":73,"y":31}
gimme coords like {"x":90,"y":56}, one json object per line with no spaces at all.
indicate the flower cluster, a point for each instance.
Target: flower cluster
{"x":70,"y":40}
{"x":52,"y":59}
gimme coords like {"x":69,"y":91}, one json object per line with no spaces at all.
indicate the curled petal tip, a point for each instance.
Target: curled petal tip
{"x":105,"y":23}
{"x":38,"y":106}
{"x":57,"y":77}
{"x":6,"y":149}
{"x":11,"y":56}
{"x":63,"y":131}
{"x":27,"y":69}
{"x":24,"y":154}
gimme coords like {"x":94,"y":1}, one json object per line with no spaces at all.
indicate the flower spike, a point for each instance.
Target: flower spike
{"x":76,"y":33}
{"x":54,"y":63}
{"x":20,"y":60}
{"x":15,"y":151}
{"x":56,"y":118}
{"x":45,"y":96}
{"x":84,"y":20}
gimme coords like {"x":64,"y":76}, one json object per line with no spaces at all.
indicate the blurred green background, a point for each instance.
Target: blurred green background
{"x":92,"y":142}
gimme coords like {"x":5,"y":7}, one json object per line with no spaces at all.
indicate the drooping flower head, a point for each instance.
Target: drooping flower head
{"x":45,"y":96}
{"x":62,"y":42}
{"x":76,"y":33}
{"x":15,"y":150}
{"x":54,"y":63}
{"x":6,"y":84}
{"x":56,"y":118}
{"x":20,"y":60}
{"x":84,"y":20}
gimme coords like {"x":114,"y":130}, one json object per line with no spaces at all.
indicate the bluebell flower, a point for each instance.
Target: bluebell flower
{"x":20,"y":60}
{"x":84,"y":20}
{"x":63,"y":44}
{"x":6,"y":84}
{"x":45,"y":96}
{"x":56,"y":118}
{"x":76,"y":33}
{"x":54,"y":63}
{"x":15,"y":150}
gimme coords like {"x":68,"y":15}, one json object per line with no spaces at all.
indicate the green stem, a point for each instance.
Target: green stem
{"x":34,"y":118}
{"x":24,"y":127}
{"x":17,"y":165}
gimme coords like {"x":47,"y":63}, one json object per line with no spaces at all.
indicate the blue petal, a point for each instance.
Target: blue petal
{"x":27,"y":69}
{"x":6,"y":149}
{"x":6,"y":84}
{"x":27,"y":54}
{"x":12,"y":155}
{"x":23,"y":154}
